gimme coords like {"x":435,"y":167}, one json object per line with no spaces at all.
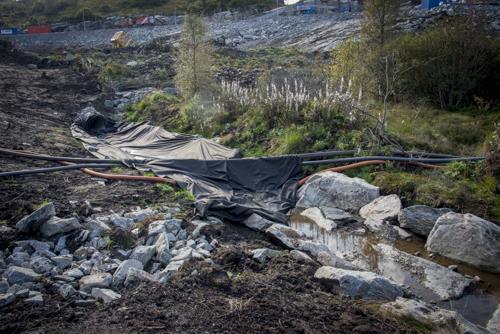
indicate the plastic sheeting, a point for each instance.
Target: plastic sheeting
{"x":223,"y":184}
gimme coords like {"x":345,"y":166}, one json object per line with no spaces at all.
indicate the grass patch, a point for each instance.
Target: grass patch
{"x":462,"y":193}
{"x":42,"y":203}
{"x":157,"y":107}
{"x":164,"y":188}
{"x":185,"y":195}
{"x":118,"y":170}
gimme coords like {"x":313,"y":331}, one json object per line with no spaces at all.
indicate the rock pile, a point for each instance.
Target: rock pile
{"x":91,"y":260}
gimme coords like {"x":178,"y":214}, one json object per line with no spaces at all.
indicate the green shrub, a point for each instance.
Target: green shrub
{"x":450,"y":63}
{"x":157,"y":107}
{"x":462,"y":191}
{"x":112,"y":71}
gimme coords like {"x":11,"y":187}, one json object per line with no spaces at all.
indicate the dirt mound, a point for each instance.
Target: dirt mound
{"x":280,"y":297}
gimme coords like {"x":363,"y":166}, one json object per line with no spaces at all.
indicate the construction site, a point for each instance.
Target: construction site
{"x":241,"y":171}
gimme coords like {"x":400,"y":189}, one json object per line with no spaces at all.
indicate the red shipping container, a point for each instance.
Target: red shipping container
{"x":42,"y":29}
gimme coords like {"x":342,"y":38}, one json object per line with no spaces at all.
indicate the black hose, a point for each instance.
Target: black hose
{"x":358,"y":159}
{"x":325,"y":154}
{"x":57,"y":169}
{"x":425,"y":154}
{"x":36,"y":156}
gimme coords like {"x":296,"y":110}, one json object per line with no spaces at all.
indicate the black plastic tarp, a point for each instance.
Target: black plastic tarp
{"x":223,"y":184}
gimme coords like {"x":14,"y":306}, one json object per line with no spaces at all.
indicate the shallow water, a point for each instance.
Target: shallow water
{"x":476,"y":306}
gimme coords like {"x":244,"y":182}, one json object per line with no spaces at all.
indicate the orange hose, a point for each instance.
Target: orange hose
{"x":155,"y":179}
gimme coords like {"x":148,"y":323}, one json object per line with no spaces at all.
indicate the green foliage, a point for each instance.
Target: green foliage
{"x":194,"y":58}
{"x":450,"y":63}
{"x":42,"y":203}
{"x":379,"y":19}
{"x":164,"y":188}
{"x":118,"y":170}
{"x":157,"y":107}
{"x":185,"y":195}
{"x":492,"y":152}
{"x":111,"y":72}
{"x":458,"y":187}
{"x":43,"y":11}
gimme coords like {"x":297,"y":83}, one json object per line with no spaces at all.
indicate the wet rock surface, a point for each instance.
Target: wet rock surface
{"x":467,"y":238}
{"x":362,"y":284}
{"x":431,"y":315}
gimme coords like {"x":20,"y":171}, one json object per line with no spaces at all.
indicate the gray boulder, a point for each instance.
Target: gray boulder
{"x":66,"y":291}
{"x":316,"y":215}
{"x":284,"y":235}
{"x":35,"y":300}
{"x":340,"y":217}
{"x":163,"y":249}
{"x":56,"y":225}
{"x":301,"y":257}
{"x":6,"y":299}
{"x":362,"y":284}
{"x":257,"y":223}
{"x":100,"y":280}
{"x":137,"y":276}
{"x":123,"y":269}
{"x":18,"y":275}
{"x":384,"y":208}
{"x":143,"y":254}
{"x":20,"y":259}
{"x":41,"y":265}
{"x":4,"y":285}
{"x":336,"y":190}
{"x":443,"y":321}
{"x":494,"y":323}
{"x":74,"y":272}
{"x":63,"y":261}
{"x":263,"y":255}
{"x":420,"y":219}
{"x":106,"y":295}
{"x":446,"y":284}
{"x":32,"y":222}
{"x":468,"y":239}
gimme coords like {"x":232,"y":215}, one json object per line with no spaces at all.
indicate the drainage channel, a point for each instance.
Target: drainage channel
{"x":407,"y":262}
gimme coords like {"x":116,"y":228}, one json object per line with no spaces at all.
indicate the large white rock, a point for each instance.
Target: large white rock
{"x":143,"y":253}
{"x":123,"y":269}
{"x":420,"y":219}
{"x":137,"y":276}
{"x":494,"y":323}
{"x":335,"y":190}
{"x":56,"y":225}
{"x":285,"y":235}
{"x":362,"y":284}
{"x":316,"y":215}
{"x":443,"y":321}
{"x":106,"y":295}
{"x":384,"y":208}
{"x":263,"y":255}
{"x":100,"y":280}
{"x":445,"y":283}
{"x":468,"y":239}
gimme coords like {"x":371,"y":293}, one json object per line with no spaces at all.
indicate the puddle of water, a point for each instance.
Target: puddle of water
{"x":477,"y":306}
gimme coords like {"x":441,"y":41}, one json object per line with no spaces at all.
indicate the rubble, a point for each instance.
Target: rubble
{"x":91,"y":271}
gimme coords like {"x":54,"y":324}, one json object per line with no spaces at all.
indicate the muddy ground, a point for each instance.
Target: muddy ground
{"x":37,"y":107}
